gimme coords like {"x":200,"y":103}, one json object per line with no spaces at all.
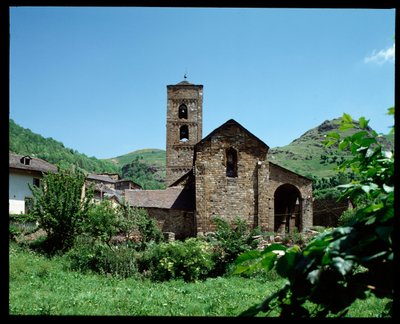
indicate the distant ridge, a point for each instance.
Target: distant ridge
{"x":305,"y":155}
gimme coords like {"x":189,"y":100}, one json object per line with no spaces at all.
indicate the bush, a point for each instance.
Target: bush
{"x":90,"y":255}
{"x":20,"y":225}
{"x":137,"y":221}
{"x":102,"y":222}
{"x":190,"y":260}
{"x":228,"y":241}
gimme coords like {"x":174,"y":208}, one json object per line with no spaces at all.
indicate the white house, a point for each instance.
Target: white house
{"x":24,"y":170}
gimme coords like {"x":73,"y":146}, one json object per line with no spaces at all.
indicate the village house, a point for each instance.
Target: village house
{"x":225,"y":174}
{"x":24,"y":170}
{"x":110,"y":186}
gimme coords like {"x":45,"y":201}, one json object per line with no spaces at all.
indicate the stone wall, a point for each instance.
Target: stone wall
{"x":181,"y":223}
{"x":218,"y":194}
{"x":279,"y":176}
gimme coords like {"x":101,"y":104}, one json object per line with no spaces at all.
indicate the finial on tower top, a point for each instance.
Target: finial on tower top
{"x":185,"y":77}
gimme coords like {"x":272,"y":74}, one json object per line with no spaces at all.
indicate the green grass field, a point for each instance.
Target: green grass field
{"x":41,"y":286}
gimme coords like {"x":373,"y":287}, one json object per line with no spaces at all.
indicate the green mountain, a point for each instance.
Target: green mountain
{"x":23,"y":141}
{"x":154,"y":157}
{"x":308,"y":156}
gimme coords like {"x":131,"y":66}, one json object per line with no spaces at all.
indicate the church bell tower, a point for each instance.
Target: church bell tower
{"x":184,"y":127}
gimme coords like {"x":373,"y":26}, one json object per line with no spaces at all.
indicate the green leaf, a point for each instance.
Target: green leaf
{"x":268,"y":261}
{"x":346,"y":127}
{"x":287,"y":262}
{"x":342,"y":265}
{"x":371,"y":257}
{"x":246,"y":256}
{"x":363,"y":122}
{"x":333,"y":135}
{"x":373,"y":208}
{"x":314,"y":275}
{"x":384,"y":232}
{"x":387,"y":154}
{"x":347,"y":118}
{"x":388,"y":189}
{"x":370,"y":220}
{"x":369,"y":187}
{"x":274,"y":247}
{"x":343,"y":144}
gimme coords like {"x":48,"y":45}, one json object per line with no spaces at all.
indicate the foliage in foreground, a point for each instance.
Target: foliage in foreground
{"x":348,"y":263}
{"x":42,"y":286}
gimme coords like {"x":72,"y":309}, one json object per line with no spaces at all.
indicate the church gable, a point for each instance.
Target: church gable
{"x":233,"y":132}
{"x":226,"y":174}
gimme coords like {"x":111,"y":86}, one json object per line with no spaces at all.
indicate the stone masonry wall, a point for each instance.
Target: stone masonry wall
{"x":179,"y":222}
{"x":279,"y":176}
{"x":219,"y":195}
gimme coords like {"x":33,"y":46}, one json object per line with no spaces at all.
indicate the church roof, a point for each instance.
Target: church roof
{"x":184,"y":82}
{"x":171,"y":198}
{"x":229,"y":123}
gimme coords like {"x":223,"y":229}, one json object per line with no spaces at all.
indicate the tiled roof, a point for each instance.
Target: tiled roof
{"x":170,"y":198}
{"x":35,"y":164}
{"x":99,"y":177}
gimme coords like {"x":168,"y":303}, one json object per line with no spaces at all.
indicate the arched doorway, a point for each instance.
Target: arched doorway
{"x":287,"y":207}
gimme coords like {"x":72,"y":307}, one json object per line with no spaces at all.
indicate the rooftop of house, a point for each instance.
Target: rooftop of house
{"x":100,"y":177}
{"x":28,"y":163}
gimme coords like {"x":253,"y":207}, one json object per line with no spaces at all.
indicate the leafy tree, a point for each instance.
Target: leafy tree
{"x":349,"y":262}
{"x":60,"y":206}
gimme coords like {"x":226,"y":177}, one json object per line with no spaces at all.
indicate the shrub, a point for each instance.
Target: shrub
{"x":229,"y":240}
{"x":102,"y":222}
{"x":137,"y":221}
{"x":21,"y":224}
{"x":91,"y":255}
{"x":189,"y":260}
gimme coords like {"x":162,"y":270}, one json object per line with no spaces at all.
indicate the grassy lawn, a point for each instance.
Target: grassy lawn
{"x":40,"y":286}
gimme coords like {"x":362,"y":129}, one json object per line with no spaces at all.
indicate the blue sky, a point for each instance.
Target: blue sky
{"x":95,"y":78}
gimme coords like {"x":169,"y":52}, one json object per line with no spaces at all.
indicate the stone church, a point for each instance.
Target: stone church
{"x":225,"y":174}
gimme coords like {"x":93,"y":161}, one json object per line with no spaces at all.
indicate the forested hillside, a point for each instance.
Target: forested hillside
{"x":23,"y":141}
{"x":133,"y":166}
